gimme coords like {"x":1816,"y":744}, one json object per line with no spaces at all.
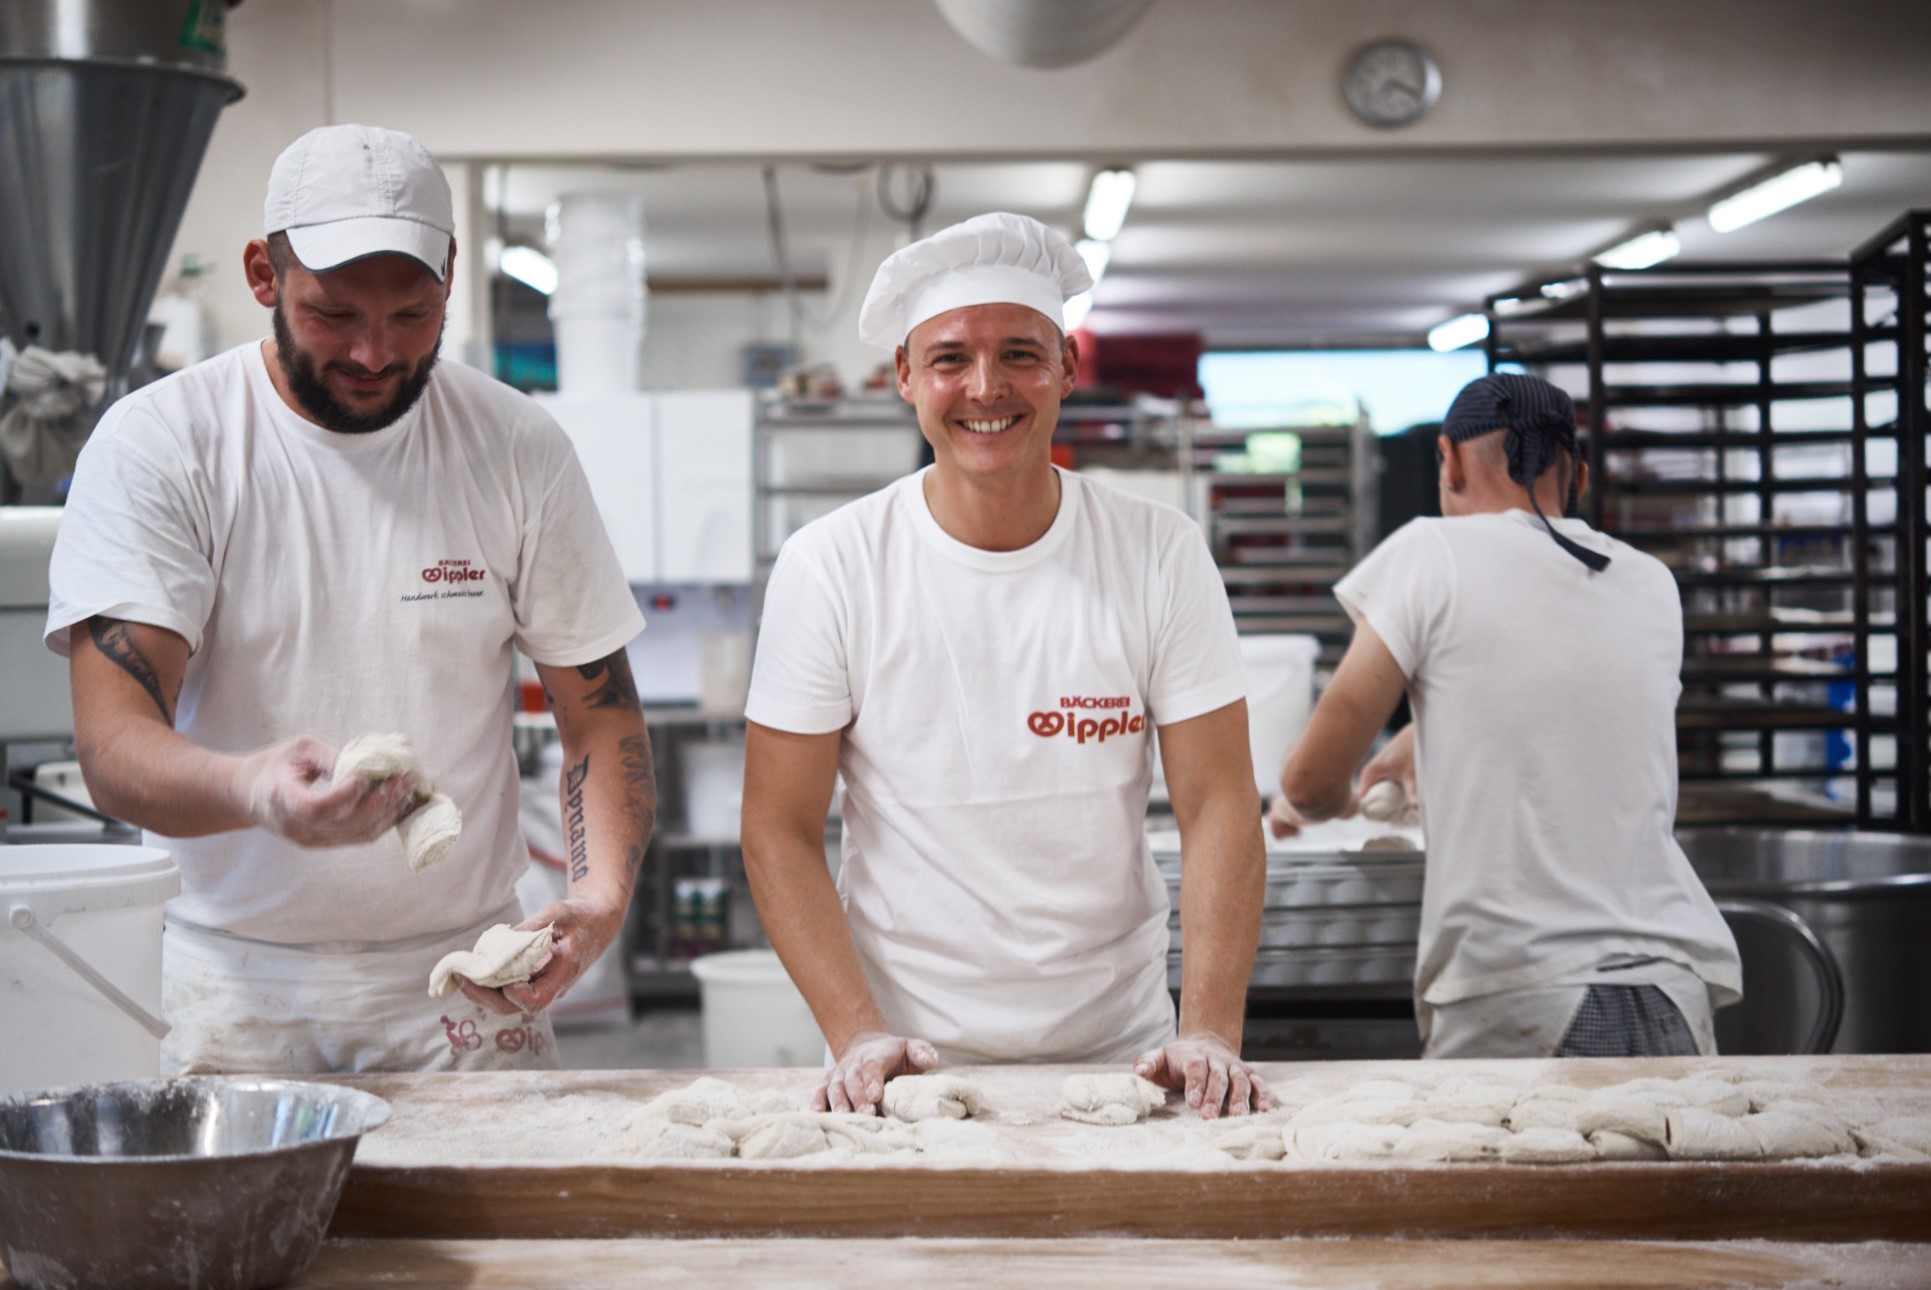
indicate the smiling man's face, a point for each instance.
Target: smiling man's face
{"x":987,"y":381}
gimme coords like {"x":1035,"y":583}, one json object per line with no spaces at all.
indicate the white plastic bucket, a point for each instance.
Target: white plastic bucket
{"x":753,"y":1014}
{"x":67,"y":913}
{"x":1280,"y":696}
{"x":713,"y":787}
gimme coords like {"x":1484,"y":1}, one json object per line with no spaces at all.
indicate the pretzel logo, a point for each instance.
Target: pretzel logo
{"x":1067,"y":721}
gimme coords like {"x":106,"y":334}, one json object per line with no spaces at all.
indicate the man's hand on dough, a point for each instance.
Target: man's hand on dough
{"x":857,"y":1081}
{"x":583,"y":930}
{"x":1283,"y":821}
{"x":285,"y":789}
{"x":1395,"y":761}
{"x":1209,"y":1070}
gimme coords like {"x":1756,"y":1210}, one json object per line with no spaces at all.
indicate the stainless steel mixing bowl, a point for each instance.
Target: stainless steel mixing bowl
{"x":215,"y":1183}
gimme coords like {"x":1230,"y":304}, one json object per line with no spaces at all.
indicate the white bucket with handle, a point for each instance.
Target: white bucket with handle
{"x":753,"y":1014}
{"x":80,"y":963}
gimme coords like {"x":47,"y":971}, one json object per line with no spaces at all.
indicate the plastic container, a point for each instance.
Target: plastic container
{"x":713,"y":787}
{"x":79,"y":924}
{"x":1280,"y":695}
{"x":753,"y":1014}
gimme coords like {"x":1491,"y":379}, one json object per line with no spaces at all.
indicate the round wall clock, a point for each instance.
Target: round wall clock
{"x":1392,"y":82}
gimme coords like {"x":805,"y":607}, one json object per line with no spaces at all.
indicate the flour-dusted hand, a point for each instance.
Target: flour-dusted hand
{"x":583,"y":929}
{"x":857,"y":1081}
{"x":1395,"y":764}
{"x":1210,"y":1072}
{"x":285,"y":789}
{"x":1283,"y":821}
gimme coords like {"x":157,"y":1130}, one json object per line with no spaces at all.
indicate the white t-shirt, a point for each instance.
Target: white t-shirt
{"x":1545,"y":749}
{"x":339,"y":585}
{"x":998,"y":711}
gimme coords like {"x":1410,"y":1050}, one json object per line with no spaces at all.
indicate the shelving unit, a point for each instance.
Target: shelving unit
{"x":1890,"y":365}
{"x":1285,"y":533}
{"x":1721,"y":438}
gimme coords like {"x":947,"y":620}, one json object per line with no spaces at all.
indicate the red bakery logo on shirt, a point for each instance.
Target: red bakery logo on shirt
{"x":450,"y":580}
{"x":1078,"y":719}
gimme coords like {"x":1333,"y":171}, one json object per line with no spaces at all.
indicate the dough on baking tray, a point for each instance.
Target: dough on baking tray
{"x":931,"y":1097}
{"x":429,"y":831}
{"x":1109,"y":1099}
{"x":503,"y":956}
{"x":1697,"y":1134}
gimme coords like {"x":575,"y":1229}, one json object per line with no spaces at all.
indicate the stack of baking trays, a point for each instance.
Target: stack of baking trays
{"x":1343,"y":905}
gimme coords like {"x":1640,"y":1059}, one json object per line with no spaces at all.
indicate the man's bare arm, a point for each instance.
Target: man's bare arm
{"x":609,"y":797}
{"x":1318,"y":776}
{"x":126,"y":679}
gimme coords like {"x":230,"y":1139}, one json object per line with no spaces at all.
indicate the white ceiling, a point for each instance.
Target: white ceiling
{"x":1330,"y":251}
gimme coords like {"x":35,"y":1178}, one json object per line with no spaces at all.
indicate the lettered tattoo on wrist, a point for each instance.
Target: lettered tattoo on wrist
{"x":575,"y":829}
{"x":116,"y":641}
{"x":619,"y":688}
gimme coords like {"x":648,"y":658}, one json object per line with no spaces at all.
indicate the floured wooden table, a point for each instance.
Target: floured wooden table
{"x":540,"y":1157}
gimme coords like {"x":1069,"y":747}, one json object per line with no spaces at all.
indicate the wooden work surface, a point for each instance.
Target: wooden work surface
{"x":527,"y":1156}
{"x":1090,"y":1264}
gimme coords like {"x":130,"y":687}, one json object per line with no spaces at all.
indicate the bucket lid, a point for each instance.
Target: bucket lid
{"x":740,"y":967}
{"x":67,"y":878}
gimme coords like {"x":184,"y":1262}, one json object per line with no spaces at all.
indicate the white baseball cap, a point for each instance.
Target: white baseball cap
{"x":342,"y":192}
{"x":999,"y":258}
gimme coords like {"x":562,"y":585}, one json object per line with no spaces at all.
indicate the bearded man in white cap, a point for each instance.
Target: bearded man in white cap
{"x":985,"y":651}
{"x":326,"y":535}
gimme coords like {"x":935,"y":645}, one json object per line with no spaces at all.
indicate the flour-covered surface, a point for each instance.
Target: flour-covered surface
{"x":1090,"y":1264}
{"x":1351,"y":837}
{"x":617,"y":1117}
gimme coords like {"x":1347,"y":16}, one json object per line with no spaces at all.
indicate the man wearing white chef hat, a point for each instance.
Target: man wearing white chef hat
{"x":1560,"y":918}
{"x":326,"y":535}
{"x":985,"y":651}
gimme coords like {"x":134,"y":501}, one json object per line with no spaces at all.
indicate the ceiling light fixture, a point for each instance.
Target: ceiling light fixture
{"x":1651,"y":246}
{"x":1107,"y":202}
{"x":1777,"y":192}
{"x":1457,"y":332}
{"x":1567,"y":289}
{"x":1097,"y":255}
{"x":530,"y":267}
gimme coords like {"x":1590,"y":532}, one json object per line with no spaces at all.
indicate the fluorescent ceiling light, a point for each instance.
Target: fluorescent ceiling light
{"x":1779,"y":192}
{"x":1564,"y":290}
{"x":1106,"y":203}
{"x":1097,"y":255}
{"x":530,"y":267}
{"x":1457,"y":332}
{"x":1652,"y":246}
{"x":1077,"y":308}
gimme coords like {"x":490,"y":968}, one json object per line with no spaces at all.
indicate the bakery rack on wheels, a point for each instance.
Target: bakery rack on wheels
{"x":1890,"y":365}
{"x":1721,"y":437}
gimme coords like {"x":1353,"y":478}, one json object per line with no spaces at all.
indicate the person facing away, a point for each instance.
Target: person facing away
{"x":984,"y":651}
{"x":1541,"y":659}
{"x":323,"y":535}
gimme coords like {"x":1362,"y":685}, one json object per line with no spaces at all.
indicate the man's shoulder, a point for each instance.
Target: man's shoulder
{"x":180,"y":403}
{"x":480,"y":403}
{"x":1131,"y":517}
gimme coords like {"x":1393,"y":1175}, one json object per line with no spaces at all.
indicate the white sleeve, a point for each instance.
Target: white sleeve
{"x":1403,"y":590}
{"x":1196,"y":650}
{"x":799,"y":681}
{"x":133,"y":540}
{"x":571,"y":602}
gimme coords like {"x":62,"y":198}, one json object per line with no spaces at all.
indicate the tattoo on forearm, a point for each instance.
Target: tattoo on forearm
{"x":576,"y":832}
{"x":115,"y":639}
{"x":619,"y":688}
{"x":640,"y":792}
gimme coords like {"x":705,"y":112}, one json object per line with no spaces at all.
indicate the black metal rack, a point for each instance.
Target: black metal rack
{"x":1721,"y":439}
{"x":1890,"y":364}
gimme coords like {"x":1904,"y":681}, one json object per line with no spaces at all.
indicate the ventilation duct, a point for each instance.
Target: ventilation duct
{"x":106,"y":107}
{"x":1042,"y":33}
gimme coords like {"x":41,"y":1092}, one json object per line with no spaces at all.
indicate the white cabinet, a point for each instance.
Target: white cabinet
{"x":671,"y":476}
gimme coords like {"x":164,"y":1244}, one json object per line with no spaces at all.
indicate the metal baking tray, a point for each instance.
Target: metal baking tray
{"x":1334,"y":926}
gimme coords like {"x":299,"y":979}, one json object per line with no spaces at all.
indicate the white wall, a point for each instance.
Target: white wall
{"x":667,"y":79}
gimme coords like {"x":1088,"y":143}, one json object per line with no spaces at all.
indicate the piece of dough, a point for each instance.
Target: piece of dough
{"x":503,"y":956}
{"x":1348,"y":1141}
{"x":1545,"y":1147}
{"x":1109,"y":1099}
{"x":1611,"y":1145}
{"x":1442,"y":1140}
{"x":1697,"y":1134}
{"x":1783,"y":1136}
{"x":1388,"y":803}
{"x":782,"y":1137}
{"x":931,"y":1097}
{"x":703,"y":1100}
{"x":1908,"y":1137}
{"x":1386,"y":842}
{"x":1632,"y":1117}
{"x":1370,"y":1102}
{"x":431,"y":829}
{"x":1253,"y":1142}
{"x":674,"y":1141}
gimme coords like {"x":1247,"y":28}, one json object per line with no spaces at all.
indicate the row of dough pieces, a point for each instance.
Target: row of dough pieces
{"x":713,"y":1120}
{"x":1468,"y":1119}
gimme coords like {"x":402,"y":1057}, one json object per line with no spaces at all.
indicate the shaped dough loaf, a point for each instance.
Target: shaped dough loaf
{"x":1253,"y":1142}
{"x":1443,"y":1140}
{"x":1545,"y":1147}
{"x":931,"y":1097}
{"x":1697,"y":1134}
{"x":1343,"y":1141}
{"x":1783,"y":1136}
{"x":1108,"y":1099}
{"x":1611,"y":1145}
{"x":1908,"y":1137}
{"x":1388,"y":803}
{"x":429,"y":831}
{"x":503,"y":956}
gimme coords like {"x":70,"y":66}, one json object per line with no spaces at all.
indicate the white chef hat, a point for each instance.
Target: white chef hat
{"x":999,"y":258}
